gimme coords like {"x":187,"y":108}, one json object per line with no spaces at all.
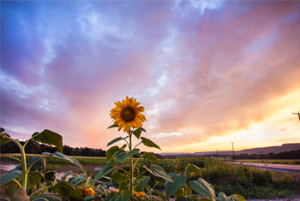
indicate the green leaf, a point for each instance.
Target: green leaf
{"x":38,"y":165}
{"x":204,"y":188}
{"x":65,"y":176}
{"x":188,"y":191}
{"x":204,"y":199}
{"x":111,"y":152}
{"x":113,"y":126}
{"x":137,"y":133}
{"x":179,"y":193}
{"x":50,"y":176}
{"x":66,"y":189}
{"x":241,"y":198}
{"x":2,"y":130}
{"x":143,"y":129}
{"x":149,"y":143}
{"x":191,"y":198}
{"x":150,"y":156}
{"x":49,"y":137}
{"x":122,"y":155}
{"x":33,"y":179}
{"x":172,"y":187}
{"x":49,"y":197}
{"x":119,"y":177}
{"x":110,"y":196}
{"x":107,"y":168}
{"x":142,"y":183}
{"x":233,"y":198}
{"x":161,"y":194}
{"x":158,"y":171}
{"x":63,"y":156}
{"x":89,"y":198}
{"x":3,"y":139}
{"x":116,"y":140}
{"x":9,"y":176}
{"x":222,"y":196}
{"x":124,"y":197}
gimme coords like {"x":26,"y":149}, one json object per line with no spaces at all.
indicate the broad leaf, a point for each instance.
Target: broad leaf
{"x":33,"y":179}
{"x":110,"y":196}
{"x":49,"y":197}
{"x":233,"y":198}
{"x":63,"y":156}
{"x":66,"y":175}
{"x":119,"y":177}
{"x":241,"y":198}
{"x":191,"y":198}
{"x":2,"y":130}
{"x":137,"y":133}
{"x":151,"y":157}
{"x":49,"y":137}
{"x":204,"y":188}
{"x":142,"y":183}
{"x":66,"y":189}
{"x":188,"y":191}
{"x":122,"y":155}
{"x":50,"y":176}
{"x":9,"y":176}
{"x":116,"y":140}
{"x":222,"y":196}
{"x":172,"y":187}
{"x":3,"y":139}
{"x":40,"y":164}
{"x":111,"y":152}
{"x":161,"y":194}
{"x":113,"y":126}
{"x":179,"y":193}
{"x":107,"y":168}
{"x":158,"y":171}
{"x":149,"y":143}
{"x":124,"y":197}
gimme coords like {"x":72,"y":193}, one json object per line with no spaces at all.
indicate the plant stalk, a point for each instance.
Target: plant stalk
{"x":131,"y":166}
{"x":24,"y":164}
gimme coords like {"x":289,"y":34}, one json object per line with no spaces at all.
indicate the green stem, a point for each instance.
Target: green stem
{"x":131,"y":165}
{"x":24,"y":165}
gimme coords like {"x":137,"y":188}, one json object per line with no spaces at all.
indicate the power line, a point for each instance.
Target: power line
{"x":296,"y":114}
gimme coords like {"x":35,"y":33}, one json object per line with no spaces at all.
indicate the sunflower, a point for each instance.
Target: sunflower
{"x":192,"y":174}
{"x":87,"y":191}
{"x":176,"y":160}
{"x":127,"y":114}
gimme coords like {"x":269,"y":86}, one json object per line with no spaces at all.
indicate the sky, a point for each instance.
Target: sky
{"x":207,"y":72}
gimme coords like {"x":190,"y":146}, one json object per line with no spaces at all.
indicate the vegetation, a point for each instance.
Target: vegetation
{"x":294,"y":154}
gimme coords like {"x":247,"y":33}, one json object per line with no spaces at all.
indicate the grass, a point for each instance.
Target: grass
{"x":272,"y":161}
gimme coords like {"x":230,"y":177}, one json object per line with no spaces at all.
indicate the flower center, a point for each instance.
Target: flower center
{"x":128,"y":113}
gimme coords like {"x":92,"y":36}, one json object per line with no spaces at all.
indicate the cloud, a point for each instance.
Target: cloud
{"x":201,"y":71}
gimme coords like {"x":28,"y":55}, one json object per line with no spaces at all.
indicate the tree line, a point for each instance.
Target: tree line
{"x":34,"y":147}
{"x":294,"y":154}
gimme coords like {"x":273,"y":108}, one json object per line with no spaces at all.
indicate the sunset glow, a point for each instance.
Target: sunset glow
{"x":207,"y":72}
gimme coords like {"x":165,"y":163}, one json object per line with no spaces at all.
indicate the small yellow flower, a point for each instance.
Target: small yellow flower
{"x":192,"y":174}
{"x":127,"y":114}
{"x":139,"y":194}
{"x":87,"y":191}
{"x":176,"y":160}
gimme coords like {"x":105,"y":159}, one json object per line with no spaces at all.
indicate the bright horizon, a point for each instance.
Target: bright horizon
{"x":207,"y":72}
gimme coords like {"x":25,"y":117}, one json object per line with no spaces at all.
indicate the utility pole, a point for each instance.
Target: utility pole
{"x":297,"y":114}
{"x":233,"y":152}
{"x":217,"y":154}
{"x":262,"y":160}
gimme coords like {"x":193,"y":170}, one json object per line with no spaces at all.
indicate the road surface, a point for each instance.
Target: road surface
{"x":275,"y":167}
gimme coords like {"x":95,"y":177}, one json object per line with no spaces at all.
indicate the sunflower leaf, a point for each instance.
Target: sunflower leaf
{"x":114,"y":140}
{"x":137,"y":133}
{"x":122,"y":155}
{"x":158,"y":171}
{"x":4,"y":138}
{"x":150,"y":156}
{"x":111,"y":152}
{"x":49,"y":137}
{"x":113,"y":126}
{"x":149,"y":143}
